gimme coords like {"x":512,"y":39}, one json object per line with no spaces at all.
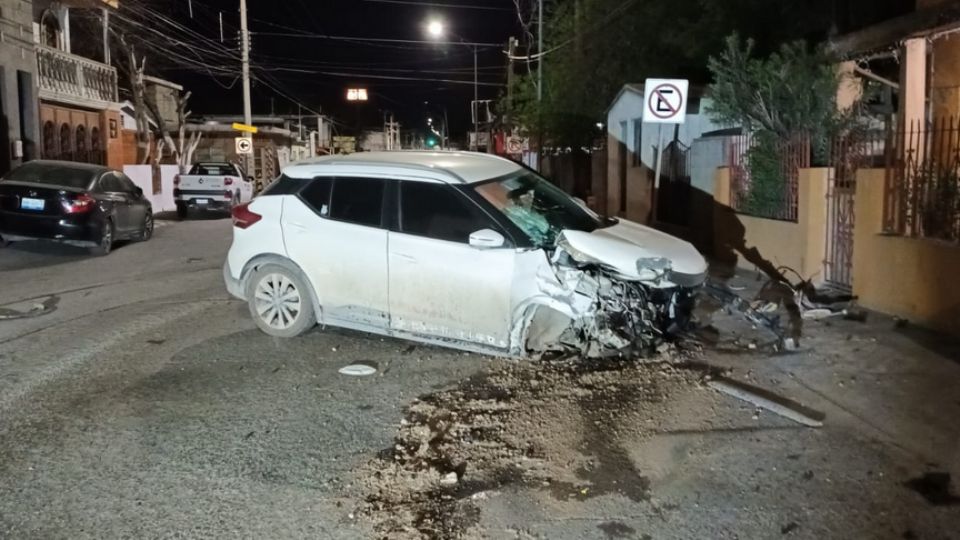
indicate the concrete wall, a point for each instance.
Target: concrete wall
{"x":18,"y":84}
{"x":761,"y":242}
{"x":911,"y":277}
{"x":142,"y":176}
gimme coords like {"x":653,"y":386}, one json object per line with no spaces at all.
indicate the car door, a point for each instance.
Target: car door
{"x":115,"y":192}
{"x":138,"y":205}
{"x":439,"y":284}
{"x":334,"y":231}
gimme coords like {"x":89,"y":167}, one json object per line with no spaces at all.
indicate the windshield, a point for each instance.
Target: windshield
{"x":537,"y":207}
{"x":53,"y":175}
{"x":213,"y":169}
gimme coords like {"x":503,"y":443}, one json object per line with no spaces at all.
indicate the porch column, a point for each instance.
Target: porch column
{"x":106,"y":35}
{"x":913,"y":83}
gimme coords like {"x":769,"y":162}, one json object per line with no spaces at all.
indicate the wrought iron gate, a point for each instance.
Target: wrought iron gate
{"x":848,"y":154}
{"x":838,"y":264}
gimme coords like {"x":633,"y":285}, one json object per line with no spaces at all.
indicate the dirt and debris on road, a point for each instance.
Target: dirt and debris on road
{"x":554,"y":426}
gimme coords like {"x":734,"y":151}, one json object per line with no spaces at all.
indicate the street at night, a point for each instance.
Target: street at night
{"x":146,"y":404}
{"x":464,"y":269}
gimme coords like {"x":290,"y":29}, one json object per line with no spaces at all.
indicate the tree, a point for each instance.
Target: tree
{"x":593,"y":47}
{"x":788,"y":95}
{"x":134,"y":70}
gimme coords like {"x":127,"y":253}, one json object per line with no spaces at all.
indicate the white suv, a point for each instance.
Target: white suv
{"x":463,"y":250}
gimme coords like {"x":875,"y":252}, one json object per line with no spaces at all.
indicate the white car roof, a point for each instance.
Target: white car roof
{"x":451,"y":167}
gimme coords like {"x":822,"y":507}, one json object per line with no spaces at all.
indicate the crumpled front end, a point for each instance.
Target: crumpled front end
{"x":596,"y":309}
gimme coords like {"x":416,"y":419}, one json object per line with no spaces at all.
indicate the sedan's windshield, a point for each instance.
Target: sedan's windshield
{"x":537,"y":207}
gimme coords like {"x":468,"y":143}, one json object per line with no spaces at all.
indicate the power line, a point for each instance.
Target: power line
{"x":439,"y":4}
{"x":376,"y":40}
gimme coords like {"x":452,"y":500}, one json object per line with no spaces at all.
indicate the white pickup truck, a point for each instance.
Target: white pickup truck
{"x":211,"y":186}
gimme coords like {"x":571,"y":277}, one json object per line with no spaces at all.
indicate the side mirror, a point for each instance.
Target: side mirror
{"x":487,"y":239}
{"x":139,"y":191}
{"x":250,"y":179}
{"x":580,"y":201}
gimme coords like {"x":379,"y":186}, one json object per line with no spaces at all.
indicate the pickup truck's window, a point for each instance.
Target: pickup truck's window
{"x":438,"y":211}
{"x":358,"y":200}
{"x":213,"y":169}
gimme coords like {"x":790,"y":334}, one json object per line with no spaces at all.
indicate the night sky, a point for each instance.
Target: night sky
{"x":302,"y":67}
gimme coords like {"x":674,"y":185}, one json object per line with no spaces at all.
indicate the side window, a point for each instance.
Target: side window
{"x":109,"y":183}
{"x":127,"y":184}
{"x":358,"y":200}
{"x":316,"y":194}
{"x":439,"y":211}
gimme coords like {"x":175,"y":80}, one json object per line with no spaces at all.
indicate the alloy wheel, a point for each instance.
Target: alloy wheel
{"x":277,"y":301}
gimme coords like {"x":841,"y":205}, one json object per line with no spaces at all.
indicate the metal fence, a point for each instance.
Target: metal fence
{"x":771,"y":193}
{"x":922,"y":195}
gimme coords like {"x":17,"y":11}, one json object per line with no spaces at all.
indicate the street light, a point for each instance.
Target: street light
{"x":436,"y":30}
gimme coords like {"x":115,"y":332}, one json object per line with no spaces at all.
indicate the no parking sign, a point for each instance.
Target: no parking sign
{"x":665,"y":101}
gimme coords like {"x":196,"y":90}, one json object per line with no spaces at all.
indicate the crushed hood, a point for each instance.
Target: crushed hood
{"x":623,"y":245}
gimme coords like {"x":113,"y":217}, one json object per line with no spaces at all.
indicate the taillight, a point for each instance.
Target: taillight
{"x":228,"y":181}
{"x":82,"y":204}
{"x":243,"y":217}
{"x":176,"y":180}
{"x":228,"y":194}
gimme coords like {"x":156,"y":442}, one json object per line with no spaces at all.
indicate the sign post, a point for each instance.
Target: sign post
{"x":665,"y":102}
{"x":243,"y":145}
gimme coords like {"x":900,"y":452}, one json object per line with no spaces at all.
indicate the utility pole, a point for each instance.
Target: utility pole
{"x":511,"y":52}
{"x":245,"y":59}
{"x":476,"y":104}
{"x":540,"y":51}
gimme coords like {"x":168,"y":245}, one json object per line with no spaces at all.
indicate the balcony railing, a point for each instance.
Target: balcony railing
{"x":75,"y":78}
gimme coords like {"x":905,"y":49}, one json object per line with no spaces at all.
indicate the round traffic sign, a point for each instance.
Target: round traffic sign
{"x":665,"y":101}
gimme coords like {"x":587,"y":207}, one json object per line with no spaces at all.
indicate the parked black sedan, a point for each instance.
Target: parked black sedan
{"x":73,"y":203}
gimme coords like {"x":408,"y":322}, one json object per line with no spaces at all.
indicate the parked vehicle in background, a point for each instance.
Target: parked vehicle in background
{"x":73,"y":203}
{"x":477,"y":252}
{"x":211,"y":186}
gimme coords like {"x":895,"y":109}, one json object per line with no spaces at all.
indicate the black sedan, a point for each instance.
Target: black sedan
{"x":73,"y":203}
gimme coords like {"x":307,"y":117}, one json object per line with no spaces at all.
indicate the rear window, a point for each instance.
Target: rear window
{"x":213,"y":169}
{"x":358,"y":200}
{"x":53,"y":175}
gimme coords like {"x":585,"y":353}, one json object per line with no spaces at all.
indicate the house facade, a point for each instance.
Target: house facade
{"x":79,"y":112}
{"x":19,"y":128}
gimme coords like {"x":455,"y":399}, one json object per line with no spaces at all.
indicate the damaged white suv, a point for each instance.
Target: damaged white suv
{"x":458,"y":249}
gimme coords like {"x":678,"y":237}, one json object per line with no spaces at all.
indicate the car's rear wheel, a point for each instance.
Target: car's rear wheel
{"x":280,"y":302}
{"x":181,"y":210}
{"x":4,"y":243}
{"x":105,"y":246}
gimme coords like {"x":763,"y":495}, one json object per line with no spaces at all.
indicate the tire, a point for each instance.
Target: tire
{"x":265,"y":289}
{"x":3,"y":243}
{"x":146,"y":232}
{"x":107,"y":237}
{"x":181,"y":210}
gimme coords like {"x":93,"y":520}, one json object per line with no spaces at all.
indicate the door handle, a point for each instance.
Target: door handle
{"x":297,"y":226}
{"x":405,"y":257}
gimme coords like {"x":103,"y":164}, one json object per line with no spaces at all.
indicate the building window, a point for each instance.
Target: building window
{"x":81,"y":143}
{"x":95,"y":154}
{"x":637,"y":142}
{"x":50,"y":30}
{"x":50,"y":149}
{"x":66,"y":142}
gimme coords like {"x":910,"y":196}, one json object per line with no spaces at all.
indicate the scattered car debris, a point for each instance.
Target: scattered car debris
{"x":47,"y":306}
{"x":769,"y":401}
{"x":508,"y":426}
{"x":358,"y":370}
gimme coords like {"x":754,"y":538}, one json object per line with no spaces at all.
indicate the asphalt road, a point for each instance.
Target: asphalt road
{"x":141,"y":402}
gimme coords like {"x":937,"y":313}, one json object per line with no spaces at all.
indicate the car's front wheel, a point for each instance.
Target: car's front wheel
{"x":146,"y":230}
{"x":280,"y":302}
